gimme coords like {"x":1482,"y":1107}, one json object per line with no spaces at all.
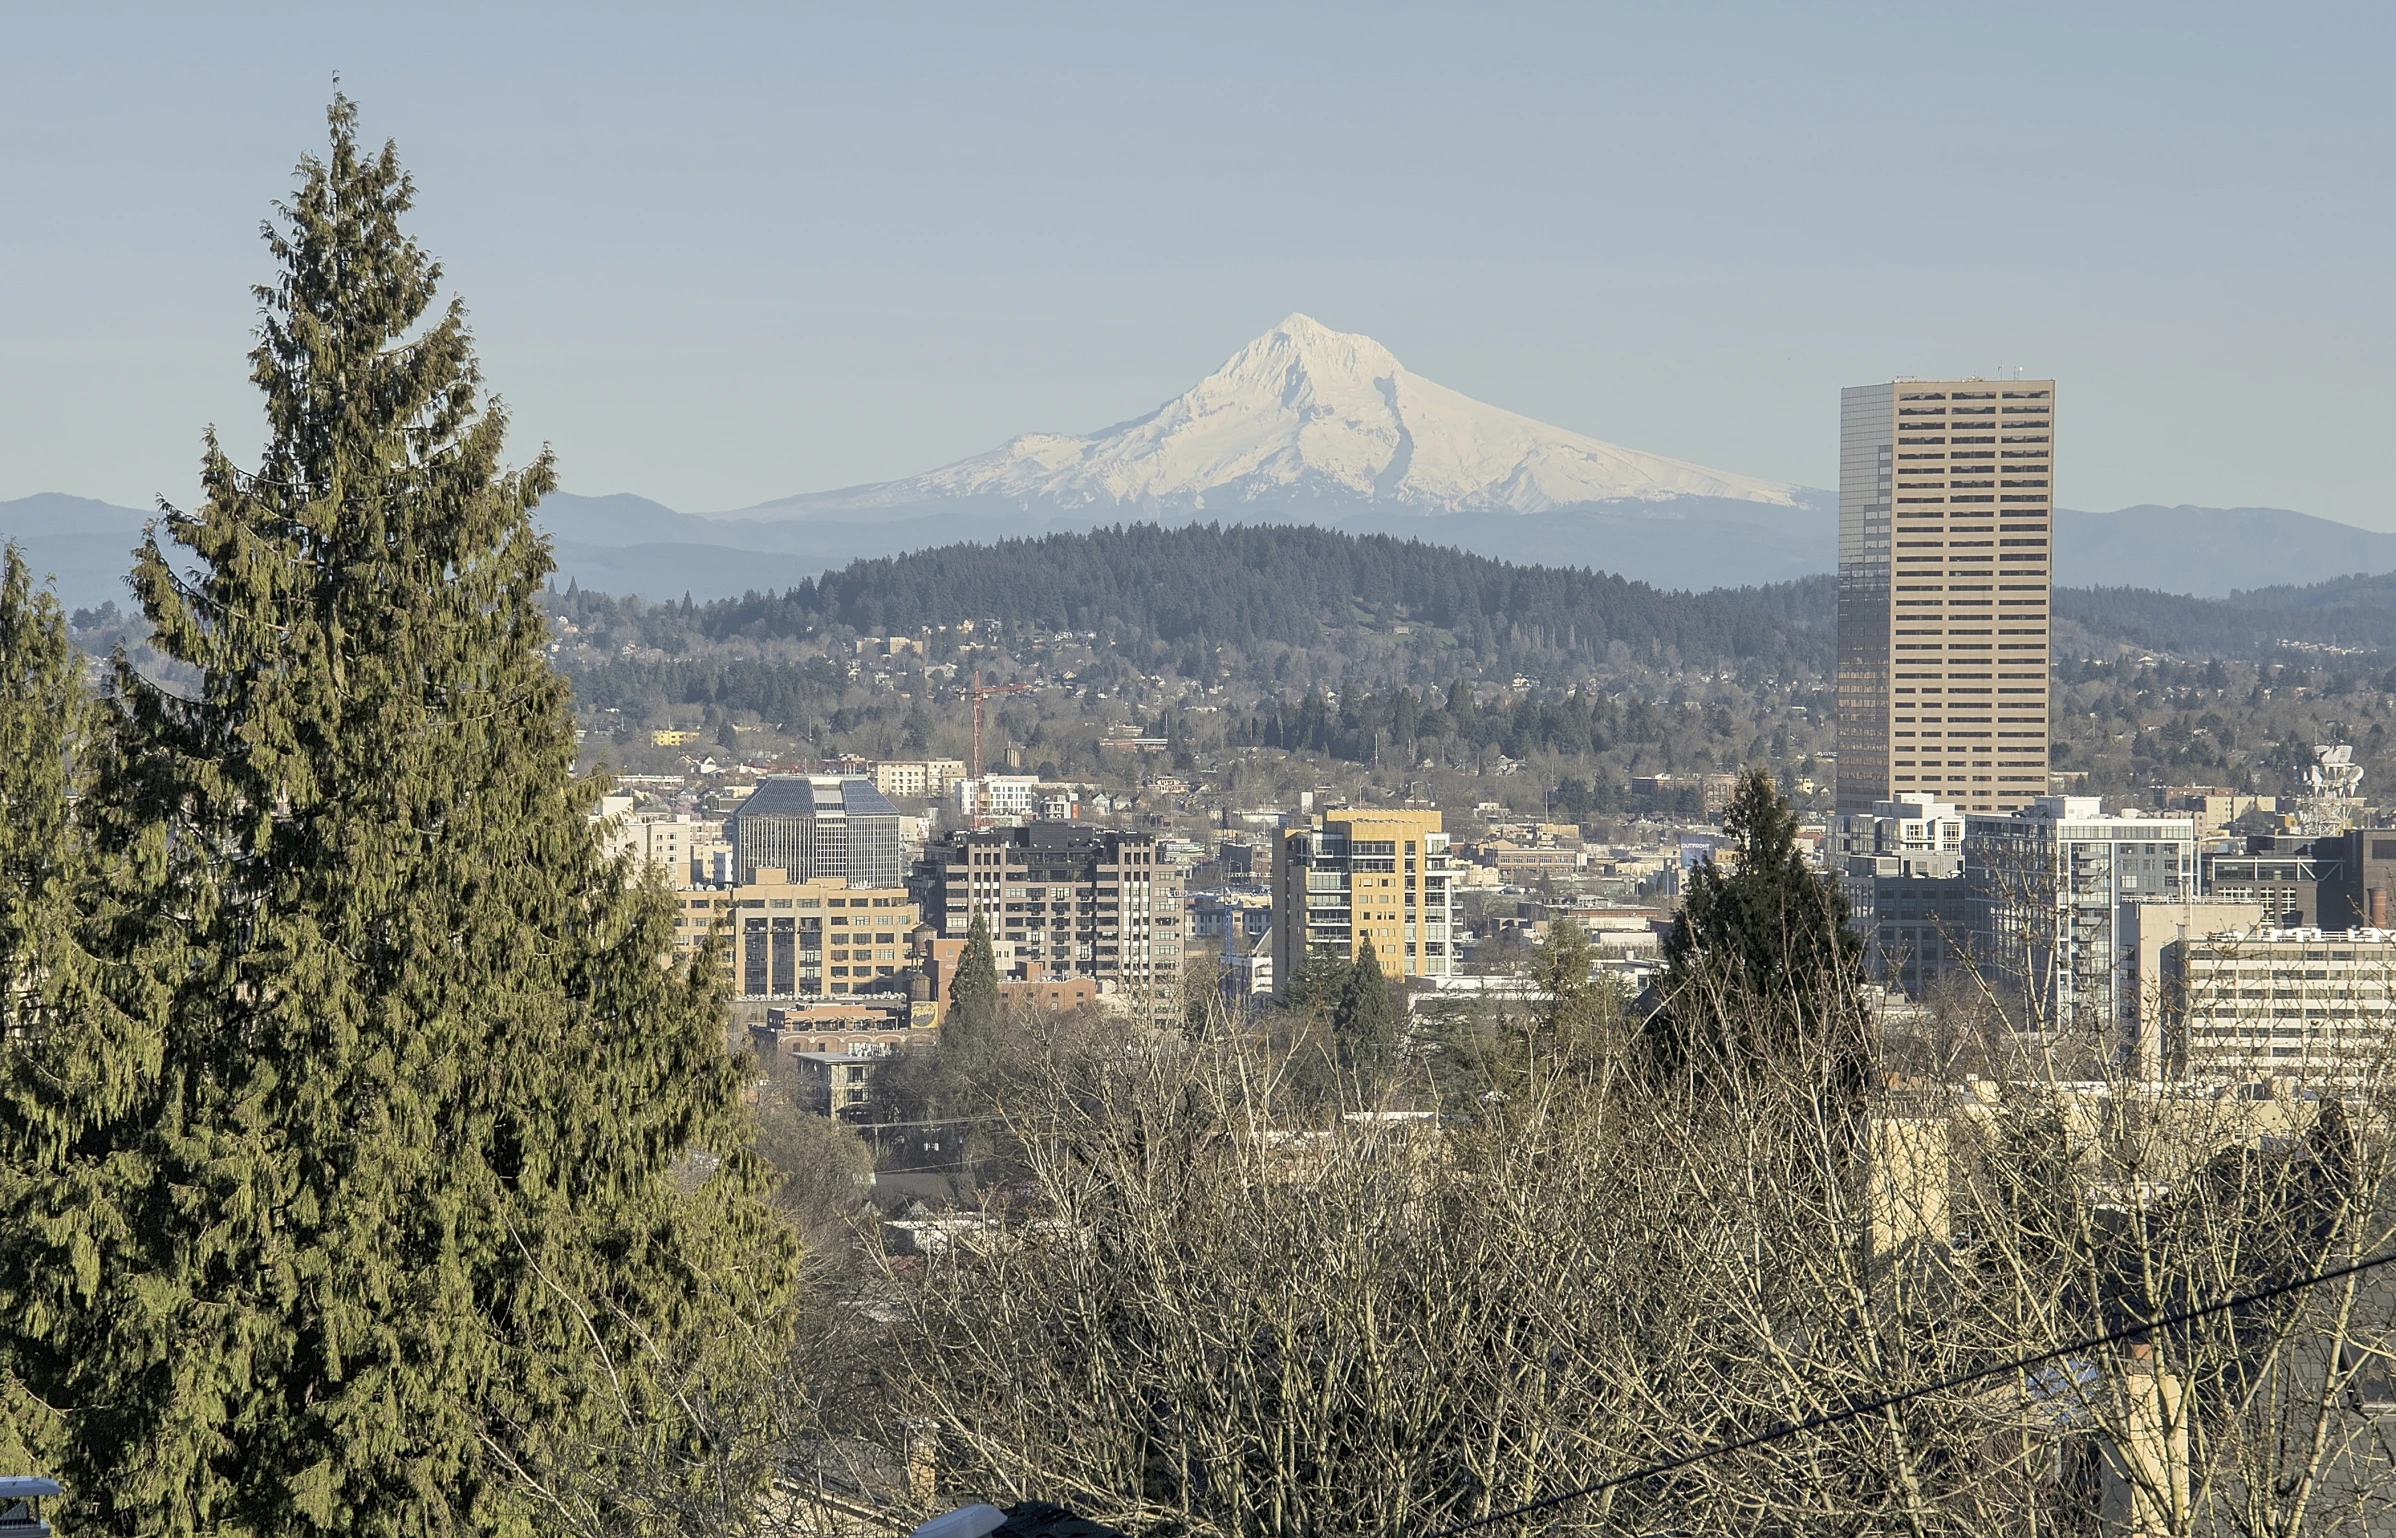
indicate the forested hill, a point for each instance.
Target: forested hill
{"x":2348,"y":613}
{"x":1241,"y":585}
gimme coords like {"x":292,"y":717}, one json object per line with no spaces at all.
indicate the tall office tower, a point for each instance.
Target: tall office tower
{"x":816,"y":828}
{"x":1946,"y":517}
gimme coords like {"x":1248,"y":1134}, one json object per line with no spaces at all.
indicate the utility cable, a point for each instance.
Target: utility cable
{"x":1890,"y":1401}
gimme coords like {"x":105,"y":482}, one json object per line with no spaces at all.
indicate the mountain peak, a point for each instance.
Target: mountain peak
{"x":1300,"y":418}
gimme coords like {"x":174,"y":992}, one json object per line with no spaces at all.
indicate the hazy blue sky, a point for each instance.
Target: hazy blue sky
{"x":717,"y":255}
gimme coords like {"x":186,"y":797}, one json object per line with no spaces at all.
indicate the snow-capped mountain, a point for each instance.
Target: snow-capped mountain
{"x":1304,"y":416}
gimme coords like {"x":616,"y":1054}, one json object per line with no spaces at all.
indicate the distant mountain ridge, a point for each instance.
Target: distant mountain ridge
{"x":1307,"y":425}
{"x":87,"y":547}
{"x":630,"y":544}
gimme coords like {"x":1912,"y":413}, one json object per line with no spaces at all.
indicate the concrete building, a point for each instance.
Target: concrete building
{"x":2053,"y":881}
{"x":1227,"y":920}
{"x":2282,"y":877}
{"x":1066,"y":900}
{"x":2365,"y":860}
{"x":801,"y":939}
{"x":2314,"y":1006}
{"x":666,"y":840}
{"x":917,"y":778}
{"x":1003,"y":795}
{"x":2329,"y":881}
{"x":1946,"y":502}
{"x":1900,"y":867}
{"x":816,"y":828}
{"x":2148,"y":928}
{"x":1359,"y":875}
{"x":836,"y":1083}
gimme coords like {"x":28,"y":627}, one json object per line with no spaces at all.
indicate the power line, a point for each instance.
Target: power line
{"x":1890,"y":1401}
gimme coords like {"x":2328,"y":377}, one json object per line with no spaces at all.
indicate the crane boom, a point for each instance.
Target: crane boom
{"x":979,"y":692}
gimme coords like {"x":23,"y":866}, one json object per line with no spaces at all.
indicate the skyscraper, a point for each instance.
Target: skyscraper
{"x":1946,"y":518}
{"x":817,"y":828}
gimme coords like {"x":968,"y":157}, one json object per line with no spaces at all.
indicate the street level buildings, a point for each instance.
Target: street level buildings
{"x":1946,"y":514}
{"x":1360,"y":875}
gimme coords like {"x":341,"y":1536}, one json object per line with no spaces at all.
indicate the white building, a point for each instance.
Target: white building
{"x":663,"y":839}
{"x":922,"y":777}
{"x":1900,"y":867}
{"x":2051,"y":882}
{"x":1912,"y":824}
{"x":1003,"y":795}
{"x":2315,"y":1006}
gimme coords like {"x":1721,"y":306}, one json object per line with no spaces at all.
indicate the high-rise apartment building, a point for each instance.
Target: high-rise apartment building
{"x":2303,"y":1004}
{"x":2052,"y":884}
{"x":1901,"y":868}
{"x":1065,"y":900}
{"x":817,"y":828}
{"x":1364,"y":875}
{"x":1946,"y":523}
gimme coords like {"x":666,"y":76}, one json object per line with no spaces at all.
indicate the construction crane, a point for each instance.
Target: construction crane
{"x":980,"y":692}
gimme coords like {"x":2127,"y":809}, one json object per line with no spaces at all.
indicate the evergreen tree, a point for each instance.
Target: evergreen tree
{"x":1319,"y":982}
{"x":1366,"y":1024}
{"x":80,"y":1035}
{"x":406,"y":1233}
{"x":1577,"y":1006}
{"x":973,"y":997}
{"x":1761,"y":962}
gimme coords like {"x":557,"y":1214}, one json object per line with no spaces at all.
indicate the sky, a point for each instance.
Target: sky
{"x":716,"y":255}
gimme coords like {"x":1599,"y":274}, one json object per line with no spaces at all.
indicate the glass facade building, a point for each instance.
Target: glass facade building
{"x":817,"y":828}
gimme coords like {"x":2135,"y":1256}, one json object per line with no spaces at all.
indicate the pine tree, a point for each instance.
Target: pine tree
{"x":1365,"y":1024}
{"x":1761,"y":963}
{"x":973,"y":997}
{"x":410,"y":1227}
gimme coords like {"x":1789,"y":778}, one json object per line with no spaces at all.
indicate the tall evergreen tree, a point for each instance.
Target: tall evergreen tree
{"x":973,"y":997}
{"x":406,"y":1233}
{"x":1366,"y":1024}
{"x":1761,"y":963}
{"x":79,"y":1036}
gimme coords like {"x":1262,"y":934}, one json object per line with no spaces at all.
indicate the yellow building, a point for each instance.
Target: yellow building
{"x":1363,"y":875}
{"x":670,"y":738}
{"x":798,"y":939}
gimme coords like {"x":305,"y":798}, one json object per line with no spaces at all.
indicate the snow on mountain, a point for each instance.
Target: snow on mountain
{"x":1306,"y":414}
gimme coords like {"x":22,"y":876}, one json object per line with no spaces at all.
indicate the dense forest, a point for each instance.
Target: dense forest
{"x":1164,"y":596}
{"x":2346,"y":614}
{"x":1188,"y":589}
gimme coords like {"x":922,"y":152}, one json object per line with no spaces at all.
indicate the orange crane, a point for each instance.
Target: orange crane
{"x":980,"y":692}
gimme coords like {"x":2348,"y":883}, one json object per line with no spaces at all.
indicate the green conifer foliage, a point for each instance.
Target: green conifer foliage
{"x":1761,"y":962}
{"x":411,"y":1240}
{"x":79,"y":1035}
{"x":973,"y":997}
{"x":1319,"y":982}
{"x":1365,"y":1023}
